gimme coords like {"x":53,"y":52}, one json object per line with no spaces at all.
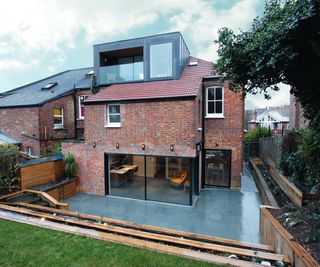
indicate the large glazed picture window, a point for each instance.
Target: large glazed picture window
{"x":215,"y":99}
{"x":161,"y":60}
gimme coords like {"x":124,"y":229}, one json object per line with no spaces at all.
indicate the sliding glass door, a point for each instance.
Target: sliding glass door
{"x":156,"y":178}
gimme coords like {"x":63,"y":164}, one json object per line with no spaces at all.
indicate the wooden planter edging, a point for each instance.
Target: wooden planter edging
{"x":267,"y":197}
{"x":274,"y":234}
{"x":293,"y":192}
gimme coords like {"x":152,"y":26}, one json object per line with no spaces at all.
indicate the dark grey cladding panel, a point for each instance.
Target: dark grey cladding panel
{"x":179,"y":49}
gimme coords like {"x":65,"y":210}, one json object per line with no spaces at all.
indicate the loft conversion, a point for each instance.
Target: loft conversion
{"x":153,"y":58}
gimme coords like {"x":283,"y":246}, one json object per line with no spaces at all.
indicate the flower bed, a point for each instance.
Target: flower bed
{"x":275,"y":234}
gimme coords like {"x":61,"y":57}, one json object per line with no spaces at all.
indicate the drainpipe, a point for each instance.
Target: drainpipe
{"x":203,"y":136}
{"x":75,"y":111}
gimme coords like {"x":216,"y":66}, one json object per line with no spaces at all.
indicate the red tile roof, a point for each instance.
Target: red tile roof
{"x":189,"y":84}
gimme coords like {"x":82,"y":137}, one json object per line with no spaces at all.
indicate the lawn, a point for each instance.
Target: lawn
{"x":25,"y":245}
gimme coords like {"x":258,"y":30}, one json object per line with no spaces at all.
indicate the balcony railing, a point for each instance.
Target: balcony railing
{"x":121,"y":73}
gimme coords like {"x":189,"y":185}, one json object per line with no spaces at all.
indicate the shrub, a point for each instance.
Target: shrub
{"x":257,"y":133}
{"x":301,"y":157}
{"x":70,"y":165}
{"x":9,"y":182}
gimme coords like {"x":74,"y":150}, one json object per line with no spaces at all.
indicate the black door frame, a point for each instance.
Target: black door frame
{"x":194,"y":171}
{"x":204,"y":168}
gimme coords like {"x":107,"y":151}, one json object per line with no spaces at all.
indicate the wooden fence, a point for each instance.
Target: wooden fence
{"x":270,"y":149}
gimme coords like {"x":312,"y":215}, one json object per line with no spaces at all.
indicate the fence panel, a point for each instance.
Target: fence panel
{"x":270,"y":148}
{"x":251,"y":148}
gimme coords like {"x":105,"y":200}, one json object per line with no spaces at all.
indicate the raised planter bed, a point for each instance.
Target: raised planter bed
{"x":294,"y":193}
{"x":267,"y":198}
{"x":274,"y":234}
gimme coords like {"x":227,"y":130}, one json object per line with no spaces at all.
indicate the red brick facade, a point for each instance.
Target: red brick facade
{"x":34,"y":126}
{"x":227,"y":133}
{"x":157,"y":125}
{"x":22,"y":123}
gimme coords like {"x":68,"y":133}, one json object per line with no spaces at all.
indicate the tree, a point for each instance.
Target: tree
{"x":281,"y":46}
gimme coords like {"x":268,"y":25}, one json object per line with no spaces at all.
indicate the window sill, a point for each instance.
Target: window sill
{"x":113,"y":126}
{"x":214,"y":116}
{"x":58,"y":128}
{"x":80,"y":119}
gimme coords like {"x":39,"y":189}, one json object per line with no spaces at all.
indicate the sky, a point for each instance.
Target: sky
{"x":40,"y":38}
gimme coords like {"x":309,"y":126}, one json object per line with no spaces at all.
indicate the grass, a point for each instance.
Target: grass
{"x":26,"y":245}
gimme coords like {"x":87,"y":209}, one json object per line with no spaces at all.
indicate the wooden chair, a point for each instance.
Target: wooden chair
{"x":180,"y":179}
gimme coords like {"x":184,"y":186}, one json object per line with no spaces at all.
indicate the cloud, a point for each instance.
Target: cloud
{"x":8,"y":64}
{"x":282,"y":97}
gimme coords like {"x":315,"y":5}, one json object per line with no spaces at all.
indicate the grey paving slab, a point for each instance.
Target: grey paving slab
{"x":218,"y":212}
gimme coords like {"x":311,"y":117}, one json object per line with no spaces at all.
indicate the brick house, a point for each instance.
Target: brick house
{"x":164,"y":126}
{"x":43,"y":113}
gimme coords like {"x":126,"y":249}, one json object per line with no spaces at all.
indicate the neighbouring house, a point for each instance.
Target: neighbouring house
{"x":43,"y":113}
{"x":6,"y":139}
{"x":164,"y":126}
{"x":296,"y":118}
{"x":276,"y":119}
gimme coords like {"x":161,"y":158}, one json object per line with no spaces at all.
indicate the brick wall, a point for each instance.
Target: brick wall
{"x":155,"y":124}
{"x":22,"y":123}
{"x":80,"y":121}
{"x":228,"y":132}
{"x":47,"y":131}
{"x":91,"y":166}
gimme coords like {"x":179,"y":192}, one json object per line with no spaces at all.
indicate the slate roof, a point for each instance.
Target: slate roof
{"x":8,"y":139}
{"x":32,"y":94}
{"x":188,"y":85}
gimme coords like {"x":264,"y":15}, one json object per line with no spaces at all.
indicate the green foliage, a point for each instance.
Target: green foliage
{"x":7,"y":148}
{"x":70,"y":165}
{"x":281,"y":46}
{"x":9,"y":182}
{"x":300,"y":157}
{"x":257,"y":133}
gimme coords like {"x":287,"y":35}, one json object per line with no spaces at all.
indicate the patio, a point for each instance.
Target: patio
{"x":218,"y":212}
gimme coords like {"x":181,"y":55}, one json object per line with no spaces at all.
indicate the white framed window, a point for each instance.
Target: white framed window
{"x":214,"y":102}
{"x":113,"y":115}
{"x":58,"y":117}
{"x":82,"y":98}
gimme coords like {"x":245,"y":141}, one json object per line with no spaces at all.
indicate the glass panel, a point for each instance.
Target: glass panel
{"x":210,"y":107}
{"x":168,"y":179}
{"x":161,"y":60}
{"x":57,"y":120}
{"x":82,"y":112}
{"x":126,"y":174}
{"x":218,"y":163}
{"x":57,"y":111}
{"x":219,"y":107}
{"x":114,"y":109}
{"x":114,"y":118}
{"x":121,"y":73}
{"x":219,"y":93}
{"x":210,"y":93}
